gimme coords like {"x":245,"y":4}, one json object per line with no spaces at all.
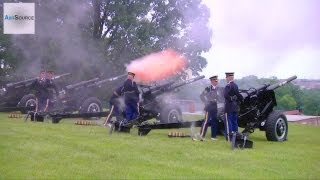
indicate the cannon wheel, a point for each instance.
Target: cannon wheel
{"x":91,"y":104}
{"x":276,"y":126}
{"x":170,"y":114}
{"x":27,"y":100}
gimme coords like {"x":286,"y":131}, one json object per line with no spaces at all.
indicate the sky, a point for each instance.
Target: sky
{"x":264,"y":38}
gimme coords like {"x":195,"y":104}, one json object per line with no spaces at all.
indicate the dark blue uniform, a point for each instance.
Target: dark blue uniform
{"x":52,"y":87}
{"x":41,"y":88}
{"x":210,"y":97}
{"x":131,"y":99}
{"x":232,"y":96}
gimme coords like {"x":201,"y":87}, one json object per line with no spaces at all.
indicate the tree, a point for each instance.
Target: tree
{"x":287,"y":102}
{"x":99,"y":37}
{"x":133,"y":28}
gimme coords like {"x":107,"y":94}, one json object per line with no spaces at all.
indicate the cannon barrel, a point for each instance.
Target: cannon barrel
{"x":267,"y":87}
{"x":176,"y":85}
{"x":157,"y":90}
{"x":281,"y":83}
{"x":20,"y":82}
{"x":98,"y":83}
{"x":253,"y":91}
{"x":62,"y":75}
{"x":82,"y":83}
{"x":28,"y":81}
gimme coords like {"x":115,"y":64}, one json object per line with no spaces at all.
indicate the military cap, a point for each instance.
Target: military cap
{"x":213,"y":78}
{"x":229,"y":74}
{"x":131,"y":73}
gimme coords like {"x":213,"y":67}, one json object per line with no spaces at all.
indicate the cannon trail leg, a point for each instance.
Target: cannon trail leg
{"x":227,"y":127}
{"x":204,"y":126}
{"x":109,"y":116}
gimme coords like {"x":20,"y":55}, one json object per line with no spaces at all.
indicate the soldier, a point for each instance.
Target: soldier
{"x":210,"y":97}
{"x":115,"y":107}
{"x":232,"y":96}
{"x":40,"y":86}
{"x":131,"y":98}
{"x":52,"y":87}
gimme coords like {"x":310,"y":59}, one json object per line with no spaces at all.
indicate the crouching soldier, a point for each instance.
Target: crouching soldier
{"x":116,"y":109}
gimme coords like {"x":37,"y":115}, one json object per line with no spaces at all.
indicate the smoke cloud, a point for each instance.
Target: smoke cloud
{"x":60,"y":41}
{"x":157,"y":66}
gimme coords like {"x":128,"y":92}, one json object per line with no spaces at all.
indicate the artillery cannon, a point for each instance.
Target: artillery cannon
{"x":154,"y":105}
{"x":257,"y":111}
{"x":82,"y":96}
{"x":15,"y":96}
{"x":151,"y":105}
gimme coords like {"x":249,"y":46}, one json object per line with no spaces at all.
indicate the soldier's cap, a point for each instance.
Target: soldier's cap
{"x":131,"y":73}
{"x":229,"y":74}
{"x":213,"y":78}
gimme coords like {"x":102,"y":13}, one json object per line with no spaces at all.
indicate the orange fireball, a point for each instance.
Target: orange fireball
{"x":157,"y":66}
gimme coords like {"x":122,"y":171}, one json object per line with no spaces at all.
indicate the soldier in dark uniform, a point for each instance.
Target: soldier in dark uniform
{"x":232,"y":97}
{"x":115,"y":107}
{"x":53,"y":89}
{"x":40,"y":86}
{"x":131,"y":98}
{"x":210,"y":98}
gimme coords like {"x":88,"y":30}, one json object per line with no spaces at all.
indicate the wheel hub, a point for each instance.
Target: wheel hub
{"x":30,"y":102}
{"x":280,"y":128}
{"x":93,"y":108}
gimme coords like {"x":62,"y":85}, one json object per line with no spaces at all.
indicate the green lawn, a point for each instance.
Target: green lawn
{"x":65,"y":150}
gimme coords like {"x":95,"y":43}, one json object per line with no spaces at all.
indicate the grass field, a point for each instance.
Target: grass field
{"x":68,"y":151}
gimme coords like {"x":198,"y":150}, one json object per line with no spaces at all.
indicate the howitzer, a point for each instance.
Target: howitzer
{"x":257,"y":111}
{"x":16,"y":96}
{"x":84,"y":96}
{"x":151,"y":106}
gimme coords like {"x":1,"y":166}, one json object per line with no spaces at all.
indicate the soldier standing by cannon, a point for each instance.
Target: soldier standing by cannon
{"x":131,"y":98}
{"x":41,"y":88}
{"x":232,"y":96}
{"x":52,"y":87}
{"x":210,"y":97}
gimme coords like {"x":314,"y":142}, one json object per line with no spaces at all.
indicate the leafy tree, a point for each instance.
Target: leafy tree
{"x":98,"y":37}
{"x":287,"y":102}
